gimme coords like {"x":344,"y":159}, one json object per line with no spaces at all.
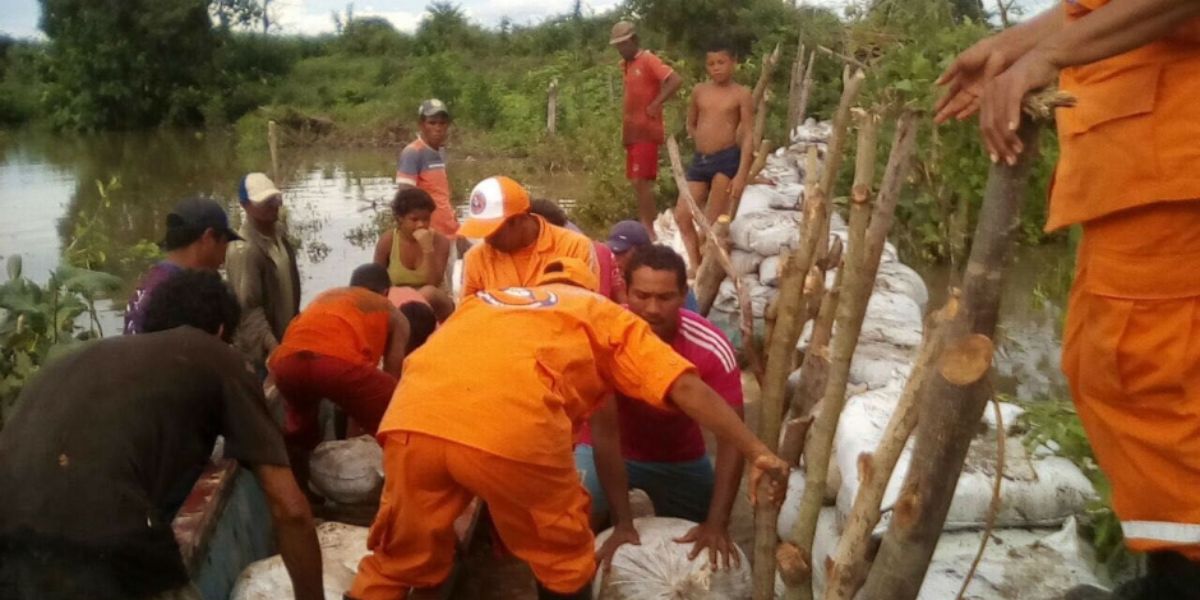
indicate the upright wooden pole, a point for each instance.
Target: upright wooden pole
{"x":552,"y":108}
{"x":958,"y":391}
{"x":273,"y":144}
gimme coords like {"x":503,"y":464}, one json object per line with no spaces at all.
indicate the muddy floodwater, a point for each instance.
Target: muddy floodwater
{"x":50,"y":194}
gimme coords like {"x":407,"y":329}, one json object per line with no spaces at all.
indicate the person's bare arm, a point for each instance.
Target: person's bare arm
{"x":746,"y":140}
{"x":713,"y":533}
{"x":670,"y":85}
{"x":433,"y":264}
{"x":693,"y":113}
{"x":698,"y":401}
{"x":610,"y":470}
{"x":1110,"y":30}
{"x":398,"y":333}
{"x":383,"y":249}
{"x":976,"y":66}
{"x":295,"y":533}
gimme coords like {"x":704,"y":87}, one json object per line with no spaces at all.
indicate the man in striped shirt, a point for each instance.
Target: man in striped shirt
{"x":663,"y":450}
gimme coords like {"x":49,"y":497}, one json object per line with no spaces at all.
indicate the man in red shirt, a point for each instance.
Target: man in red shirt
{"x":662,"y":451}
{"x":648,"y":84}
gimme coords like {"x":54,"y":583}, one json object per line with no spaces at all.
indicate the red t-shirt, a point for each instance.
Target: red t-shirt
{"x":652,"y":434}
{"x":644,"y":76}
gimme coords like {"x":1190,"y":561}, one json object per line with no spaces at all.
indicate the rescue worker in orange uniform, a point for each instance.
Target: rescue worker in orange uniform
{"x":1129,"y":173}
{"x":517,"y":244}
{"x":488,"y":407}
{"x":332,"y":349}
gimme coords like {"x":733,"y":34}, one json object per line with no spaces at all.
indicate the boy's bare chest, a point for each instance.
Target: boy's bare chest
{"x":723,"y":103}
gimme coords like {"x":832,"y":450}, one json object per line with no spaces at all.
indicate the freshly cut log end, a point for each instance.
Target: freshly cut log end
{"x":908,"y":508}
{"x":967,"y":360}
{"x":794,"y":568}
{"x":866,"y":467}
{"x":860,"y":194}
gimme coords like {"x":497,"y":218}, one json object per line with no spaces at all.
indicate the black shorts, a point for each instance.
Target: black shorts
{"x":706,"y":166}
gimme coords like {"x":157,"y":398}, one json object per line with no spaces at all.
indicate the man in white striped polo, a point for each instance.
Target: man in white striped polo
{"x":663,"y":452}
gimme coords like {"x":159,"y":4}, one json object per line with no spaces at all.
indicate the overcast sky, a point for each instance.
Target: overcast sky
{"x":19,"y":18}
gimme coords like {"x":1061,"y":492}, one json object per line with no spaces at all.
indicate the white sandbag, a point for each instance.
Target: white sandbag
{"x":812,"y":130}
{"x":902,"y":279}
{"x":1030,"y":564}
{"x":787,"y":196}
{"x":876,"y":363}
{"x":342,"y":547}
{"x":1009,"y":412}
{"x":765,"y":233}
{"x":744,"y":263}
{"x":659,"y":568}
{"x":1037,"y":491}
{"x":768,"y":271}
{"x":726,"y":300}
{"x":666,"y":230}
{"x":756,"y":198}
{"x":760,"y":296}
{"x":348,"y":471}
{"x":892,"y":318}
{"x":640,"y":504}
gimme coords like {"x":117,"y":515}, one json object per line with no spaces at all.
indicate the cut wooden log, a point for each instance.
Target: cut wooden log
{"x":710,"y":274}
{"x":860,"y":267}
{"x":850,"y":560}
{"x":949,"y":411}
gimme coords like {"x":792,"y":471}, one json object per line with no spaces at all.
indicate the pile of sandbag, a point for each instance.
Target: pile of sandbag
{"x":347,"y":471}
{"x":659,"y":568}
{"x":1040,"y":493}
{"x":342,"y":547}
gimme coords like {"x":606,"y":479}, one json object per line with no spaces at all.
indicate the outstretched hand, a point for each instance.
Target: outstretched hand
{"x":776,"y":471}
{"x":965,"y":80}
{"x":621,"y":535}
{"x":1000,"y":110}
{"x":714,"y":538}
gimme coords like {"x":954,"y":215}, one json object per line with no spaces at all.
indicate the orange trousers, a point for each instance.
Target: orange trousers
{"x":541,"y":514}
{"x":1131,"y":351}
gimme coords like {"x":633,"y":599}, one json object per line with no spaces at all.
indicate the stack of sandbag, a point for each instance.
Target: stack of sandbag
{"x":348,"y":471}
{"x":342,"y":547}
{"x":659,"y":568}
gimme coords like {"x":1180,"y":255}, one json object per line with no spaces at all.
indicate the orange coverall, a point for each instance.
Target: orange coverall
{"x":488,"y":408}
{"x":485,"y":267}
{"x":1129,"y":172}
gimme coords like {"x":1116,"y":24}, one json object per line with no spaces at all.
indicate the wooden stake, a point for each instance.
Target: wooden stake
{"x":805,"y":92}
{"x":273,"y":144}
{"x":950,"y":410}
{"x":850,"y":561}
{"x":795,"y":87}
{"x":749,"y":350}
{"x":764,"y":75}
{"x":710,"y":274}
{"x":552,"y":108}
{"x":781,"y":347}
{"x":756,"y":167}
{"x":860,"y":265}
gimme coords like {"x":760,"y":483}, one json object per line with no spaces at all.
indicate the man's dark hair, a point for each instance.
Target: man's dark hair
{"x":409,"y":199}
{"x":371,"y":276}
{"x":549,"y":210}
{"x":180,"y":237}
{"x":722,"y":46}
{"x":196,"y":298}
{"x":421,"y":323}
{"x":659,"y":258}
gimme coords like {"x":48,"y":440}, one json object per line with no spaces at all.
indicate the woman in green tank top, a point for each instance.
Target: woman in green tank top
{"x":414,"y":255}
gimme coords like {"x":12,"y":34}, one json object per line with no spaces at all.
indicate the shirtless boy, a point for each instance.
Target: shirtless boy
{"x":720,"y":121}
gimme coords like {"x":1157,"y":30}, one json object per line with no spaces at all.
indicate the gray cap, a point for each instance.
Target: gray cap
{"x":432,"y":107}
